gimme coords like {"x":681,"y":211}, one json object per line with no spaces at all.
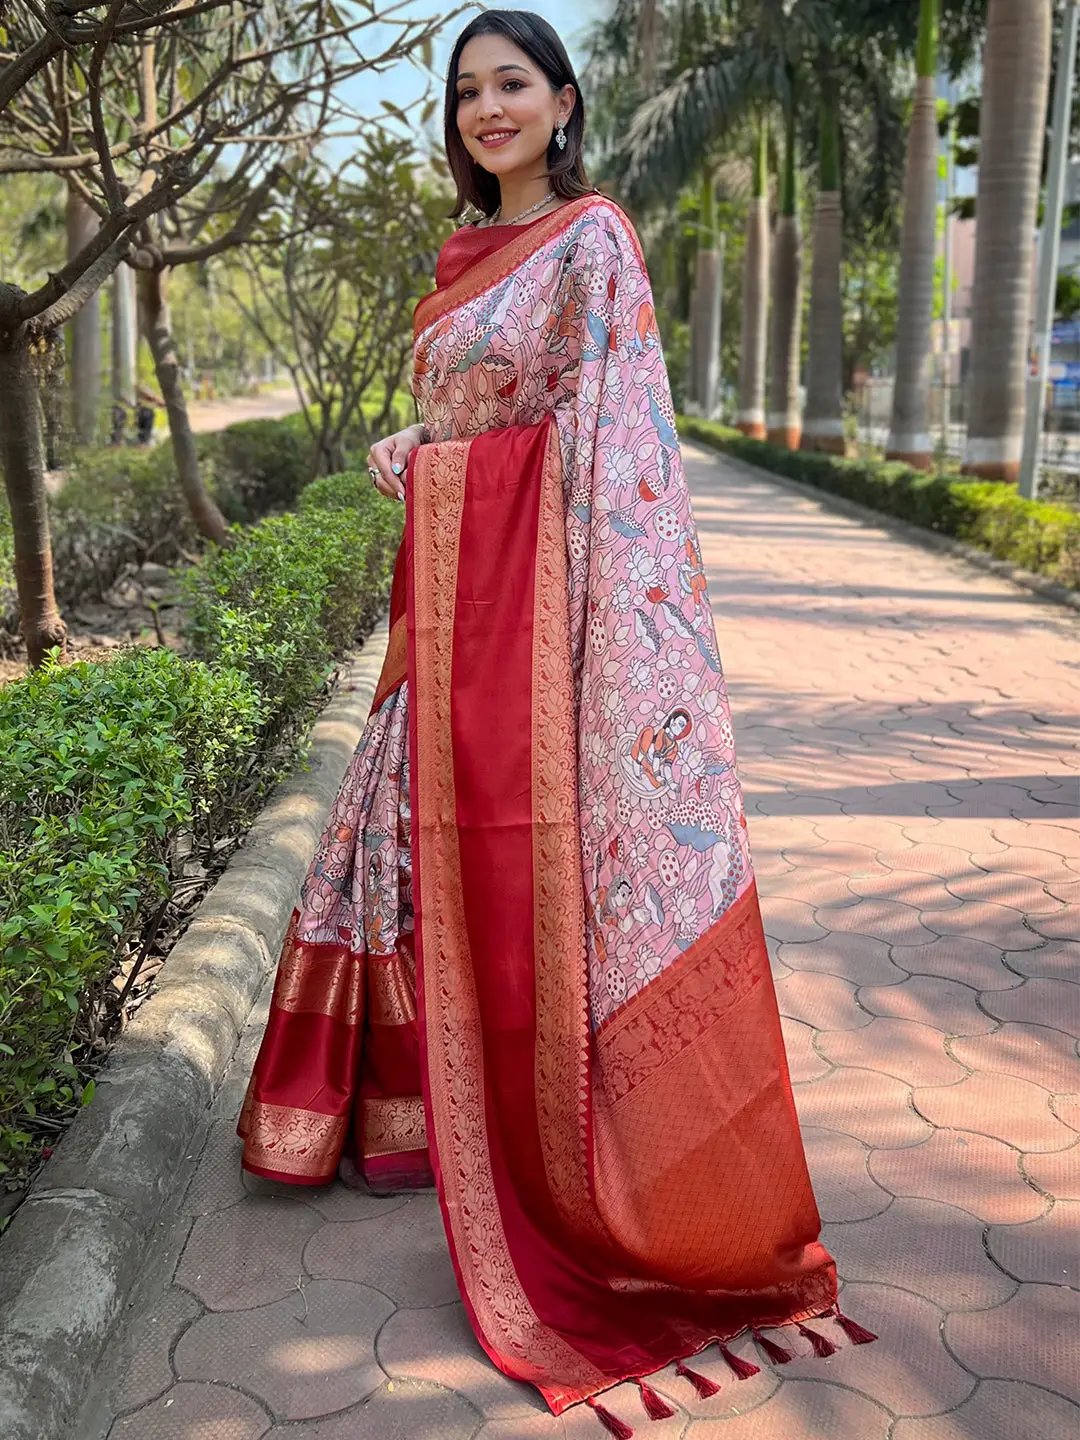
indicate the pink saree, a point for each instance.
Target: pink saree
{"x":528,"y":958}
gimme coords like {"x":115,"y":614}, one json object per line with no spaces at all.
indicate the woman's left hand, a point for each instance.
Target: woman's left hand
{"x":388,"y":458}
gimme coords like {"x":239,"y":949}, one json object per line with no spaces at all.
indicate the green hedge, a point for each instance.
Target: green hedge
{"x":1029,"y":533}
{"x":287,"y":598}
{"x":121,"y":507}
{"x":111,"y":773}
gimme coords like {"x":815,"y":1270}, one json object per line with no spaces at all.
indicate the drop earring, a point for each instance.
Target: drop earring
{"x":560,"y":137}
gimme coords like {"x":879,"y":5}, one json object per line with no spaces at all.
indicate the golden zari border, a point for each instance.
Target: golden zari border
{"x":391,"y":991}
{"x":320,"y":979}
{"x":498,"y":266}
{"x":561,"y":958}
{"x":512,"y":1331}
{"x":292,"y":1141}
{"x":394,"y":1126}
{"x":692,"y":994}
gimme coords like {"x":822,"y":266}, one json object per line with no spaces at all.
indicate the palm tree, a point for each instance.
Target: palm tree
{"x":755,"y":312}
{"x":909,"y":435}
{"x":719,"y":62}
{"x":1012,"y":124}
{"x":705,"y":314}
{"x":784,"y":424}
{"x":823,"y":421}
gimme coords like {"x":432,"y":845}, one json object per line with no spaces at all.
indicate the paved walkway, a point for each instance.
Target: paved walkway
{"x":207,"y":415}
{"x":908,"y":736}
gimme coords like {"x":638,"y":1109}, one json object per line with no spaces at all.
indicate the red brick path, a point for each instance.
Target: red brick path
{"x":909,"y":747}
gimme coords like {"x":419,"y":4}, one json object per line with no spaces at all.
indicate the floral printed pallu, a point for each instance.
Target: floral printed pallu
{"x":528,"y":956}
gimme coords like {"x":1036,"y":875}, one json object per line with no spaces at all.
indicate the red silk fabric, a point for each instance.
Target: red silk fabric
{"x":688,"y":1241}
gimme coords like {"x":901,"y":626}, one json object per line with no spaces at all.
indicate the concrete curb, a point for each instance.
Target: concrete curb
{"x":929,"y":539}
{"x":78,"y":1242}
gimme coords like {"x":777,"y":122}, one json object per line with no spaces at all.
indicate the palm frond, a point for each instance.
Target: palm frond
{"x":674,"y":132}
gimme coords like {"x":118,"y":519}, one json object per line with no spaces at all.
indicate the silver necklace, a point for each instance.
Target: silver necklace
{"x":530,"y":211}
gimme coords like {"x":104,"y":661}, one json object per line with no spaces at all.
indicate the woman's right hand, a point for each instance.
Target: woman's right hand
{"x":389,"y":457}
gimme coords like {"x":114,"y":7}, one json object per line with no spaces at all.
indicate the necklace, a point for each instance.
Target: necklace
{"x":530,"y":211}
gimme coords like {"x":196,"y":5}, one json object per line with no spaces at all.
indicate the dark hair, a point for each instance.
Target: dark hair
{"x":566,"y":168}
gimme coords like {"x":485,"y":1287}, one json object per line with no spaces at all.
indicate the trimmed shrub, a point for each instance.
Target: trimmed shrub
{"x":117,"y":508}
{"x":110,"y":773}
{"x":1029,"y":533}
{"x":101,"y":767}
{"x":295,"y":589}
{"x":264,"y":464}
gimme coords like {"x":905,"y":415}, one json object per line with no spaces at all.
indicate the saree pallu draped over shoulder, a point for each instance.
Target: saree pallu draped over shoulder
{"x":587,"y":1036}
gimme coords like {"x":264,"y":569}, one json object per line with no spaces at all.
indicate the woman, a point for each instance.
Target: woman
{"x":528,"y":960}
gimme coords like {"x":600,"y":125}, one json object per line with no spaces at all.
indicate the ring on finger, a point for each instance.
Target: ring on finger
{"x":374,"y":475}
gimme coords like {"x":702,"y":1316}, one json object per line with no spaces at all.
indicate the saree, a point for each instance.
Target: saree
{"x":528,"y":961}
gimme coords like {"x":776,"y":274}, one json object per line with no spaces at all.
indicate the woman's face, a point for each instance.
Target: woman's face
{"x":507,"y":110}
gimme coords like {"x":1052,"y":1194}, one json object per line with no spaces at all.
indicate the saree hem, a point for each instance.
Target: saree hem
{"x":559,"y":1401}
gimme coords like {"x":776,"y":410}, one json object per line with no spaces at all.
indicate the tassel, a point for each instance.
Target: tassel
{"x":823,"y":1348}
{"x":856,"y":1333}
{"x":611,"y":1423}
{"x":701,"y":1383}
{"x":776,"y":1353}
{"x":656,"y":1407}
{"x":742,"y":1368}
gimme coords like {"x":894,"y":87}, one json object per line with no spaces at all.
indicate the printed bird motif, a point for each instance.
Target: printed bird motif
{"x":645,"y":332}
{"x":596,"y":347}
{"x":469,"y":350}
{"x":623,"y":523}
{"x":663,"y":416}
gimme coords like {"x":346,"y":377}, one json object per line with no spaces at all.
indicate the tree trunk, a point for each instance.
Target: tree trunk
{"x":755,"y":311}
{"x":125,"y":335}
{"x":85,"y":330}
{"x":1012,"y":124}
{"x":823,"y":422}
{"x":24,"y":477}
{"x":909,"y":434}
{"x":784,"y":426}
{"x":705,"y":315}
{"x":154,"y":316}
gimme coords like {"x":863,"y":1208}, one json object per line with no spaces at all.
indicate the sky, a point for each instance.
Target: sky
{"x":405,"y":82}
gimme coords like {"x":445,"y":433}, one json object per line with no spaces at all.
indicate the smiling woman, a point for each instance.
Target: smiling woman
{"x":528,"y":961}
{"x":514,"y":118}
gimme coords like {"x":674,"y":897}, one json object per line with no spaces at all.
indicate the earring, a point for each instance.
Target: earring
{"x":560,"y":137}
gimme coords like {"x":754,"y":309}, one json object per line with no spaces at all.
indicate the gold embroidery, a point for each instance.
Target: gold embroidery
{"x":696,"y":1201}
{"x":392,"y":991}
{"x":394,"y":1126}
{"x":290,"y":1140}
{"x":320,"y":979}
{"x":526,"y":1348}
{"x":561,"y":958}
{"x":692,"y":994}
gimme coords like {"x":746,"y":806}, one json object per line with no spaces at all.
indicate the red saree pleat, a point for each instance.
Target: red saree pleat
{"x":669,"y":1206}
{"x":338,"y":1072}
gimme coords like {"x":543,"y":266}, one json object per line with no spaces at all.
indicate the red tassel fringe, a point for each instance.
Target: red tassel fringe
{"x":742,"y":1368}
{"x":611,"y":1423}
{"x":701,"y":1383}
{"x":823,"y":1347}
{"x":856,"y":1333}
{"x":776,"y":1353}
{"x":656,"y":1407}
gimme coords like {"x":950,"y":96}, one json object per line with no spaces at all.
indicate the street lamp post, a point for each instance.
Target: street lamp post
{"x":1049,"y":250}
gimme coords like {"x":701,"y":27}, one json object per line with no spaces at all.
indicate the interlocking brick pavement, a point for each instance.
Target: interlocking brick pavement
{"x":908,"y":741}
